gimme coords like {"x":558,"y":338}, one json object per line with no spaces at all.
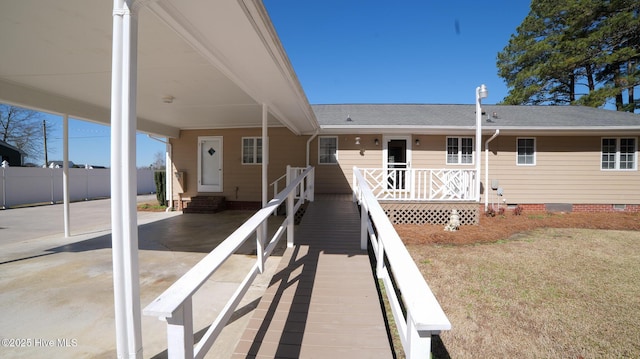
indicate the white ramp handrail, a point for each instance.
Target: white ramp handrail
{"x":417,"y":313}
{"x":175,"y":304}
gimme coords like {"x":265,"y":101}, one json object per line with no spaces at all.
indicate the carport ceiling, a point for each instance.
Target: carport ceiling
{"x":217,"y":60}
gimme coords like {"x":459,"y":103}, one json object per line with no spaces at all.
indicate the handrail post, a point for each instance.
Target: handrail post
{"x":418,"y":345}
{"x":354,"y":181}
{"x":180,"y":331}
{"x":380,"y":258}
{"x":261,"y":235}
{"x":311,"y":185}
{"x":290,"y":218}
{"x":364,"y":225}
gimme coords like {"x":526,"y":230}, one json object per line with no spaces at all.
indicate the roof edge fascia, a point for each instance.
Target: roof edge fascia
{"x":350,"y":129}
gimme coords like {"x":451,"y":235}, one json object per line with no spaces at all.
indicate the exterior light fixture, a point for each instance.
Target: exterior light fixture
{"x":417,"y":142}
{"x":481,"y":92}
{"x":357,"y":140}
{"x":376,"y":142}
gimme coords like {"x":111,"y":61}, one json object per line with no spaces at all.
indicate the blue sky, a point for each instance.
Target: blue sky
{"x":396,"y":52}
{"x":348,"y":51}
{"x":90,"y":143}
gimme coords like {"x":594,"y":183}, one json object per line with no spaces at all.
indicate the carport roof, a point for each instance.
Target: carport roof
{"x":218,"y":61}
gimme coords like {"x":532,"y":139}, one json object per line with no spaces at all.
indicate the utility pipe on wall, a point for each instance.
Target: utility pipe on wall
{"x":481,"y":92}
{"x":486,"y":168}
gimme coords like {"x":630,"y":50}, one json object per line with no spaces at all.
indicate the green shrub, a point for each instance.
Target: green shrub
{"x":161,"y":184}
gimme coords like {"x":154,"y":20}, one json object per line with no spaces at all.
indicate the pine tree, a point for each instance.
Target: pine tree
{"x":574,"y":52}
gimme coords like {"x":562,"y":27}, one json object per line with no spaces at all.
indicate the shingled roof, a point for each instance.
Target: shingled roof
{"x":456,"y":118}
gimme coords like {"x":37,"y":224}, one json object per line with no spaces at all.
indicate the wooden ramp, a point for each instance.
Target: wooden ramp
{"x":322,"y":302}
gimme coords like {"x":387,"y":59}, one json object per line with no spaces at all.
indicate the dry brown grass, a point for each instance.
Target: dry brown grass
{"x":492,"y":229}
{"x":550,"y":293}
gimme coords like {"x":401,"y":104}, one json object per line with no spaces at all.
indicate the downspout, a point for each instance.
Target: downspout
{"x":486,"y":169}
{"x":315,"y":134}
{"x":168,"y":165}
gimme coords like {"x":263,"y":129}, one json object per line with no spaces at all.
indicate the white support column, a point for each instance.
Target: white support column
{"x":265,"y":179}
{"x":168,"y":172}
{"x":124,"y":180}
{"x":65,"y":174}
{"x":265,"y":155}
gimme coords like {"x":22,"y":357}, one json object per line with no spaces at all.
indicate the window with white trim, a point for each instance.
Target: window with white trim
{"x":251,"y":150}
{"x":526,"y":151}
{"x":328,"y":150}
{"x":619,"y":154}
{"x":459,"y":150}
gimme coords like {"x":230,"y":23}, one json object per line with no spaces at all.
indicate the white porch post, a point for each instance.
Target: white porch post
{"x":123,"y":181}
{"x":262,"y":236}
{"x":65,"y":174}
{"x":265,"y":155}
{"x":168,"y":172}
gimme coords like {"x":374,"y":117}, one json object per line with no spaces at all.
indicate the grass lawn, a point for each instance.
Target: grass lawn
{"x":549,"y":293}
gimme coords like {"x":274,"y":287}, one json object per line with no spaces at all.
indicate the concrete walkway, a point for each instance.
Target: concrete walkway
{"x":322,"y":302}
{"x":56,"y":293}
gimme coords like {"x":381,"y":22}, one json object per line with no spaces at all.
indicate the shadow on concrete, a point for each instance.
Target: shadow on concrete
{"x":196,"y":233}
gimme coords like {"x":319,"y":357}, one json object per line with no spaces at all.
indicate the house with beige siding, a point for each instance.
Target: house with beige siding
{"x":567,"y":158}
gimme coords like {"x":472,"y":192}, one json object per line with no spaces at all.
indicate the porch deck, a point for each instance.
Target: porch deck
{"x":322,"y":302}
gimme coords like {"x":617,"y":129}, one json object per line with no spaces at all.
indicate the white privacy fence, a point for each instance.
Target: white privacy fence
{"x":421,"y":184}
{"x":175,"y":305}
{"x":29,"y":185}
{"x":415,"y":309}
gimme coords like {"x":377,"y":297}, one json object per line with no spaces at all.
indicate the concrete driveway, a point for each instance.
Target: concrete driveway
{"x":56,"y":293}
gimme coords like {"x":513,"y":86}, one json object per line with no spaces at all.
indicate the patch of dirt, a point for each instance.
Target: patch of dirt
{"x":500,"y":227}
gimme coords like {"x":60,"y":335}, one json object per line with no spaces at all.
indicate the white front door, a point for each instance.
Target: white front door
{"x":397,"y":159}
{"x":210,"y":164}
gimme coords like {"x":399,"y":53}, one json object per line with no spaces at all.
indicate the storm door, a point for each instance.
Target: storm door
{"x":210,"y":164}
{"x":397,"y":153}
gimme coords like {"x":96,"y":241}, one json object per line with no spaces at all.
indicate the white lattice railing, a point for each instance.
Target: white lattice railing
{"x":415,"y":309}
{"x":175,"y":304}
{"x":421,"y":184}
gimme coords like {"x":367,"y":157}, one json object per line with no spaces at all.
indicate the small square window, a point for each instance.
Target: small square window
{"x":459,"y":150}
{"x":526,"y":148}
{"x":328,"y":150}
{"x":251,"y":150}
